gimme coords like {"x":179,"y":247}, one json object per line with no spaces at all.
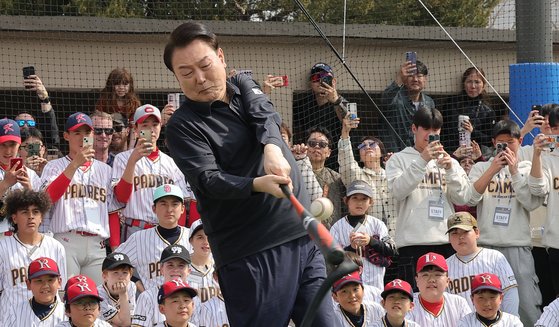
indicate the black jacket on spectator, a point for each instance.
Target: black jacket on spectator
{"x":481,"y":116}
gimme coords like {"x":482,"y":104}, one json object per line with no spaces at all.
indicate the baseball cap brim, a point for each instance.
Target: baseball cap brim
{"x":173,"y":256}
{"x":359,"y":192}
{"x":7,"y":138}
{"x":487,"y":287}
{"x":384,"y":294}
{"x":144,"y":117}
{"x":43,"y":273}
{"x":73,"y":128}
{"x":192,"y":292}
{"x":345,"y":282}
{"x":116,"y":265}
{"x":81,"y":296}
{"x":463,"y":227}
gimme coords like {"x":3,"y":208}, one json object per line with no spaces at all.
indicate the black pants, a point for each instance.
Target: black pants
{"x":270,"y":287}
{"x":408,"y":255}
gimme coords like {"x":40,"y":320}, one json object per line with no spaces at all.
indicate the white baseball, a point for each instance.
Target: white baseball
{"x":322,"y":208}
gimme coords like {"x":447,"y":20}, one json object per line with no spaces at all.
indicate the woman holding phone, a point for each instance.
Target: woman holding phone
{"x":472,"y":102}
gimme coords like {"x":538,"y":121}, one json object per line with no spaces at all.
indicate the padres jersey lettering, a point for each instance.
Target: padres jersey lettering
{"x":86,"y":191}
{"x":213,"y":313}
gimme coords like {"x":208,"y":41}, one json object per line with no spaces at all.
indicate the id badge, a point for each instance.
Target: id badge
{"x":502,"y":216}
{"x":436,"y":210}
{"x":92,"y":214}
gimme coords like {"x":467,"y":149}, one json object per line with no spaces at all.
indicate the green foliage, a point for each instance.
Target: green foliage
{"x":472,"y":13}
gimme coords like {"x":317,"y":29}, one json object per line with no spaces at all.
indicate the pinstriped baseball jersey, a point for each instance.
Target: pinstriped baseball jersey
{"x":382,"y":323}
{"x":110,"y":307}
{"x":147,"y":309}
{"x":97,"y":323}
{"x":22,"y":315}
{"x":144,"y":250}
{"x":203,"y":282}
{"x":506,"y":320}
{"x":148,"y":175}
{"x":550,"y":315}
{"x":372,"y":274}
{"x":35,"y":184}
{"x":84,"y":205}
{"x":372,"y":313}
{"x":213,"y":313}
{"x":461,"y":273}
{"x":162,"y":324}
{"x":15,"y":258}
{"x":371,"y":294}
{"x":454,"y":308}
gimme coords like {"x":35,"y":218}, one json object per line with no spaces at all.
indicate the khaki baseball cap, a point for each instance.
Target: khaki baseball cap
{"x":463,"y":220}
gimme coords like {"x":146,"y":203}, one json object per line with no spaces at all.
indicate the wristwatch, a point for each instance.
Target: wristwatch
{"x":45,"y":100}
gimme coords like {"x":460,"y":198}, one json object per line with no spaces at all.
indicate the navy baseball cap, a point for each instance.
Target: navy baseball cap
{"x":114,"y":260}
{"x":173,"y":286}
{"x":9,"y":131}
{"x":321,"y":67}
{"x":77,"y":120}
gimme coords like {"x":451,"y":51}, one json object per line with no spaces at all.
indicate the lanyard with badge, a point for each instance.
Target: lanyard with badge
{"x":501,"y":217}
{"x":436,"y":203}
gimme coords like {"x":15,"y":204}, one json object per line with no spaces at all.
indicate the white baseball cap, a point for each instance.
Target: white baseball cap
{"x":143,"y":112}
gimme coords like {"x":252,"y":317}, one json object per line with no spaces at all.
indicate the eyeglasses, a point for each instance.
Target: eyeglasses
{"x":118,"y":128}
{"x":86,"y":303}
{"x":100,"y":131}
{"x":23,"y":122}
{"x":371,"y":145}
{"x":320,"y":144}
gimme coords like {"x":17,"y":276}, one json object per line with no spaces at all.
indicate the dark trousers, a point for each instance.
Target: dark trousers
{"x":270,"y":287}
{"x":408,"y":255}
{"x":553,"y":272}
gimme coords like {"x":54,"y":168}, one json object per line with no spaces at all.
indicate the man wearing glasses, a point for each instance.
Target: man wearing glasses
{"x":102,"y":136}
{"x":320,"y":108}
{"x":119,"y":142}
{"x":319,"y":143}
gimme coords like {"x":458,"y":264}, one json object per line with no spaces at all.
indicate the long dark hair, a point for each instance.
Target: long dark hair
{"x":471,"y":70}
{"x":108,"y":100}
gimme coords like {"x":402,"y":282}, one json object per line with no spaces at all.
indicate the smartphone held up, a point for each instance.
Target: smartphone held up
{"x":28,"y":71}
{"x":411,"y":56}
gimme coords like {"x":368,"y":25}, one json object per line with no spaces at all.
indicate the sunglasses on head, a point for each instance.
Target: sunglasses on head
{"x":321,"y":144}
{"x":100,"y":131}
{"x":371,"y":145}
{"x":22,"y":122}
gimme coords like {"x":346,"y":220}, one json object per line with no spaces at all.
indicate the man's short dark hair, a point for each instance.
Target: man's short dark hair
{"x":506,"y":126}
{"x":24,"y":198}
{"x":421,"y":68}
{"x":428,"y":118}
{"x":322,"y":130}
{"x":552,"y":110}
{"x":184,"y":35}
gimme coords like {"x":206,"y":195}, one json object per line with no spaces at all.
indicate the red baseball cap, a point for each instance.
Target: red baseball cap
{"x":42,"y":266}
{"x":173,"y":286}
{"x":349,"y":278}
{"x":486,"y":281}
{"x":431,"y":259}
{"x":397,"y":285}
{"x":82,"y":289}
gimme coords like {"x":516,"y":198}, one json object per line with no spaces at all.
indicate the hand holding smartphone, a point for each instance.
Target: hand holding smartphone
{"x":28,"y":71}
{"x":411,"y":56}
{"x":16,"y":162}
{"x":87,"y":141}
{"x":33,"y":149}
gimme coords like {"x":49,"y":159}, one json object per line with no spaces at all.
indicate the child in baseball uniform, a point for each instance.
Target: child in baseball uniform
{"x":25,"y":210}
{"x":504,"y":200}
{"x":426,"y":182}
{"x":12,"y":176}
{"x":44,"y":308}
{"x":176,"y":303}
{"x":79,"y":187}
{"x":144,"y":247}
{"x":350,"y":311}
{"x":139,"y":171}
{"x":83,"y":303}
{"x":202,"y":265}
{"x":213,"y":311}
{"x":117,"y":290}
{"x":487,"y":296}
{"x":471,"y":260}
{"x":397,"y":300}
{"x":371,"y":293}
{"x":550,"y":315}
{"x":175,"y":264}
{"x":434,"y":307}
{"x":366,"y":235}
